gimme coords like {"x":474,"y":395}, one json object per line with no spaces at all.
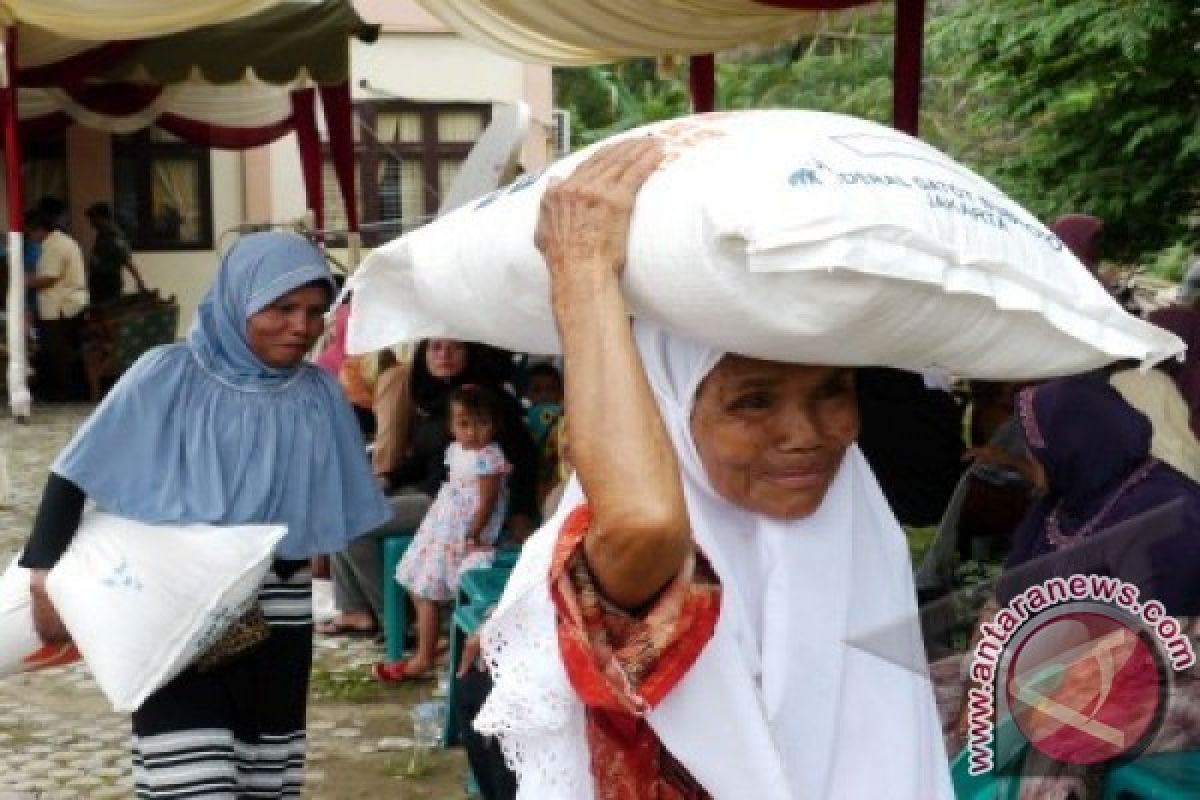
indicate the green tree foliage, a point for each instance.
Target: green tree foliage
{"x":1069,"y":105}
{"x":1097,"y":104}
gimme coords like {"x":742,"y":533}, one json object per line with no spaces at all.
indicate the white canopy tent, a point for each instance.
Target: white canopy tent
{"x":238,"y":97}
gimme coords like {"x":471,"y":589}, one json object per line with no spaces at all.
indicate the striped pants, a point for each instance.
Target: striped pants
{"x":236,"y":731}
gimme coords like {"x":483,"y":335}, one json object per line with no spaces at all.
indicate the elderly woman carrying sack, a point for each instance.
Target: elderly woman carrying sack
{"x":229,"y":427}
{"x":723,"y":606}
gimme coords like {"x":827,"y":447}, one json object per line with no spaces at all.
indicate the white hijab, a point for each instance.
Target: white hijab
{"x":814,"y":683}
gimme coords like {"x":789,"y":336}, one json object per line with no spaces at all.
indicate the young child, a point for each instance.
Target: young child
{"x":461,"y":526}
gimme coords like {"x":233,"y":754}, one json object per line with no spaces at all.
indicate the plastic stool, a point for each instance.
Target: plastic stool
{"x":395,"y":598}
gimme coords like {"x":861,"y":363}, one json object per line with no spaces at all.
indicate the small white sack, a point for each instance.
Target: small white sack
{"x":797,"y":236}
{"x":143,"y":601}
{"x":20,"y":648}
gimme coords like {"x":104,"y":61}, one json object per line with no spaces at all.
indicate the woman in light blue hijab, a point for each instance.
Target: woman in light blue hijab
{"x":230,"y":427}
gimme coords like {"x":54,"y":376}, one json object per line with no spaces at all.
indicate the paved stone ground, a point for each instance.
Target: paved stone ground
{"x":59,"y":739}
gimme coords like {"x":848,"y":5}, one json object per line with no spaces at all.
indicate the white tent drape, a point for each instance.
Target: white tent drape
{"x":248,"y":105}
{"x":108,"y":20}
{"x":579,"y":32}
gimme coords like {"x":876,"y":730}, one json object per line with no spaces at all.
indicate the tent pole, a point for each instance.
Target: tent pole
{"x":308,"y":141}
{"x":906,"y":79}
{"x":702,"y":81}
{"x":19,"y":399}
{"x":338,"y":109}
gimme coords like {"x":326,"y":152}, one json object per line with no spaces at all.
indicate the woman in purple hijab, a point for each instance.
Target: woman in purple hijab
{"x":1094,"y":450}
{"x":1081,"y":234}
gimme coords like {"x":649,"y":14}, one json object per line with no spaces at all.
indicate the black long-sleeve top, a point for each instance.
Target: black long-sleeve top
{"x":55,"y":524}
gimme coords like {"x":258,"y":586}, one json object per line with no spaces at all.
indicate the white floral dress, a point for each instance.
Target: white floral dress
{"x":437,"y":557}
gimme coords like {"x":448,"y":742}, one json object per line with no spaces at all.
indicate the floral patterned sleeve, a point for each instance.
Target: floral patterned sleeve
{"x":491,"y":461}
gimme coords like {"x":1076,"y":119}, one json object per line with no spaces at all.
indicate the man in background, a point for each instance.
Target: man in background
{"x":111,"y":254}
{"x":62,"y":295}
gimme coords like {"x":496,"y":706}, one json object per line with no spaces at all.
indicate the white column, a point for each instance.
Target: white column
{"x":19,"y":399}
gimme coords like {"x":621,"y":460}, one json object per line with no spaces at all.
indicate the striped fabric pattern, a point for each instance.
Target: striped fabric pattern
{"x":212,"y":762}
{"x":288,"y":604}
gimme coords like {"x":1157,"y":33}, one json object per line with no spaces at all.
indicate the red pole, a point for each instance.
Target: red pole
{"x":308,"y":141}
{"x":19,"y":399}
{"x":906,"y":79}
{"x":12,"y":136}
{"x":702,"y":80}
{"x":339,"y":121}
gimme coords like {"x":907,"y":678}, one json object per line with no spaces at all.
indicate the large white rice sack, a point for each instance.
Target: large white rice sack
{"x":20,"y":648}
{"x":790,"y":235}
{"x":143,"y":601}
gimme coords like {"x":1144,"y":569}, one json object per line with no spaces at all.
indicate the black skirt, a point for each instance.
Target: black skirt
{"x":236,"y":731}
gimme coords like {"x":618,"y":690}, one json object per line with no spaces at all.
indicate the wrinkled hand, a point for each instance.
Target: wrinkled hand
{"x":46,"y":622}
{"x":584,"y":220}
{"x":470,"y":654}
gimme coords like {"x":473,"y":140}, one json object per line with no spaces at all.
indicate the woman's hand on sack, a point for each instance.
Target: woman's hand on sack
{"x":583,"y":227}
{"x":46,"y":622}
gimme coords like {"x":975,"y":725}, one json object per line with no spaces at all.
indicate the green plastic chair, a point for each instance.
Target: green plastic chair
{"x":478,"y":591}
{"x":483,"y":587}
{"x":395,"y":599}
{"x":1161,"y":776}
{"x":990,"y":785}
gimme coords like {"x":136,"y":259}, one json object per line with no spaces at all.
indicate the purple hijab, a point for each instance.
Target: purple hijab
{"x":1184,"y":323}
{"x":1095,"y":449}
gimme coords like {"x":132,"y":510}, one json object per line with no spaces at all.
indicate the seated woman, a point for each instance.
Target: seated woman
{"x":415,"y":426}
{"x":1092,"y":453}
{"x":1093,"y":449}
{"x":684,"y":626}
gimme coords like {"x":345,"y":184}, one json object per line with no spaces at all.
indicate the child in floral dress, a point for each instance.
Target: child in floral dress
{"x":460,"y":529}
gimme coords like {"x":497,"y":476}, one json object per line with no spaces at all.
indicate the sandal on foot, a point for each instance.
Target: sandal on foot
{"x":396,"y":672}
{"x":335,"y":628}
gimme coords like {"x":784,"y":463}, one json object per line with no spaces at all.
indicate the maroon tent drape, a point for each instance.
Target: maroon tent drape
{"x":75,"y":69}
{"x":12,"y":140}
{"x":223,"y":137}
{"x":304,"y":115}
{"x":339,"y":123}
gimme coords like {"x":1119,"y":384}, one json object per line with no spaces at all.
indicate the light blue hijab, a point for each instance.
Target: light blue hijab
{"x":202,"y":431}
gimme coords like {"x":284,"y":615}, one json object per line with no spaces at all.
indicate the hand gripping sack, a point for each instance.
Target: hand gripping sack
{"x":20,"y":648}
{"x":790,"y":235}
{"x":142,"y":602}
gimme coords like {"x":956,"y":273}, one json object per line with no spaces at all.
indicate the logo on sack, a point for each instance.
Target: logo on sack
{"x":122,"y":577}
{"x":1084,"y":682}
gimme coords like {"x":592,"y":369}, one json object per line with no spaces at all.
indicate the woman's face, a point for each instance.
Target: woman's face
{"x":771,"y":436}
{"x":282,"y":333}
{"x":446,"y":358}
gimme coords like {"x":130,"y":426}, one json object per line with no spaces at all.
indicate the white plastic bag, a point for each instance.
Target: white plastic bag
{"x":20,"y":648}
{"x":791,"y":235}
{"x":143,"y":601}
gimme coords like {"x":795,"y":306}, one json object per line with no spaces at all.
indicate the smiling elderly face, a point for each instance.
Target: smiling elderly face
{"x":771,"y":436}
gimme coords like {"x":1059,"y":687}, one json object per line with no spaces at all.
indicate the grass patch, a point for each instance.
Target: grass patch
{"x":350,"y":685}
